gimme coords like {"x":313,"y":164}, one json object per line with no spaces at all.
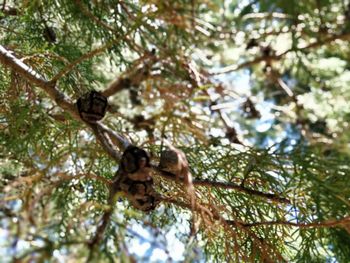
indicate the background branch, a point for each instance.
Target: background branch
{"x":138,"y":72}
{"x":231,"y":68}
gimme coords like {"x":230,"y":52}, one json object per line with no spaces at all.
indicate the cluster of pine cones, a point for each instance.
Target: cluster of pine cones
{"x":133,"y":177}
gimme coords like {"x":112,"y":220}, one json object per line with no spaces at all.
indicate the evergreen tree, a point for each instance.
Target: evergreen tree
{"x":224,"y":138}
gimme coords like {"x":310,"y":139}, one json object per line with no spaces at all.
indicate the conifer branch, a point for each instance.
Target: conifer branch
{"x":327,"y":223}
{"x":115,"y":32}
{"x":87,"y":13}
{"x":62,"y":101}
{"x":95,"y":51}
{"x":8,"y":59}
{"x":138,"y":72}
{"x":231,"y":68}
{"x":268,"y":251}
{"x":30,"y":74}
{"x":228,"y":185}
{"x":236,"y":223}
{"x":79,"y":60}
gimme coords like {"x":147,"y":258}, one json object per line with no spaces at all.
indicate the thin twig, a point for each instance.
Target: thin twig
{"x":327,"y":223}
{"x":115,"y":32}
{"x":138,"y":72}
{"x":94,"y":18}
{"x":215,"y":215}
{"x":95,"y":51}
{"x":79,"y":60}
{"x":267,"y":15}
{"x":225,"y":185}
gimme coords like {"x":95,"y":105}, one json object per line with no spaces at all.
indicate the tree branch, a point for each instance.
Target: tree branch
{"x":268,"y":252}
{"x":32,"y":76}
{"x":235,"y":67}
{"x":243,"y":189}
{"x":267,"y":15}
{"x":9,"y":11}
{"x":328,"y":223}
{"x":236,"y":223}
{"x":86,"y":56}
{"x":98,"y":50}
{"x":87,"y":13}
{"x":121,"y":141}
{"x":63,"y":101}
{"x":104,"y":141}
{"x":225,"y":185}
{"x":138,"y":72}
{"x":115,"y":32}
